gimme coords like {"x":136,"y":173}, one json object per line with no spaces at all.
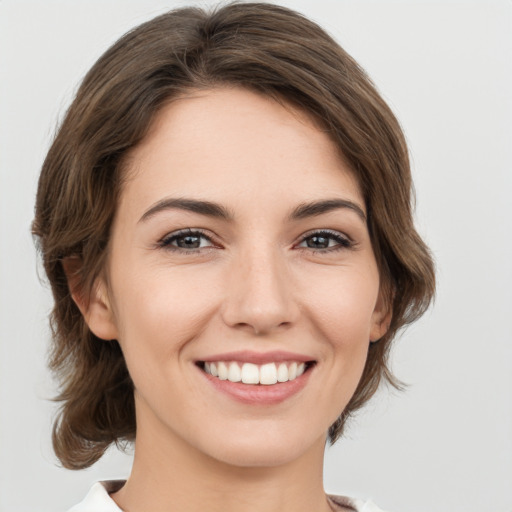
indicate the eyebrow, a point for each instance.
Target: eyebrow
{"x":210,"y":209}
{"x":315,"y":208}
{"x":191,"y":205}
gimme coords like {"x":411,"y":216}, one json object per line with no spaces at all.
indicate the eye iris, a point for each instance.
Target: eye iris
{"x":316,"y":242}
{"x":189,"y":242}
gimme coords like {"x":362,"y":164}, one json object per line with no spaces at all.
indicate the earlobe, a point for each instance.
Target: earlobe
{"x":381,"y":319}
{"x":95,"y":307}
{"x":379,"y":329}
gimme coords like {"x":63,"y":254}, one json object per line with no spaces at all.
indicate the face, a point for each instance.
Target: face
{"x":239,"y":251}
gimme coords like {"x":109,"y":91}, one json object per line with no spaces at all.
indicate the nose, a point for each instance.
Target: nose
{"x":260,"y":297}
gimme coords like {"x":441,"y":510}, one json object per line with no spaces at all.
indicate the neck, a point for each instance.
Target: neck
{"x":170,"y":475}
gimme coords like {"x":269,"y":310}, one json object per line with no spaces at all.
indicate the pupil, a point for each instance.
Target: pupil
{"x":189,"y":242}
{"x":318,"y":241}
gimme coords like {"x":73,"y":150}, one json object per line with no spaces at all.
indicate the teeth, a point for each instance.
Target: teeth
{"x":292,"y":371}
{"x":234,"y":373}
{"x":250,"y":374}
{"x":223,"y":371}
{"x":282,"y":373}
{"x":266,"y":374}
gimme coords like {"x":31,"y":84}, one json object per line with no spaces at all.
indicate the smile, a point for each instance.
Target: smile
{"x":258,"y":378}
{"x":266,"y":374}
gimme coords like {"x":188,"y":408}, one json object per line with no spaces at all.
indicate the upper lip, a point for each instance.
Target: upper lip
{"x":249,"y":356}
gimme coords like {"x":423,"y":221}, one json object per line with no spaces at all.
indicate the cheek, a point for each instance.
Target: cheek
{"x":160,"y":310}
{"x":342,"y":302}
{"x":340,"y":307}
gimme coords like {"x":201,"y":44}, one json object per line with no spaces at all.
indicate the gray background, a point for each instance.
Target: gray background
{"x":445,"y":68}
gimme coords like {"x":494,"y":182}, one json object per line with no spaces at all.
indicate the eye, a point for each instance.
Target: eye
{"x":326,"y":241}
{"x":186,"y":240}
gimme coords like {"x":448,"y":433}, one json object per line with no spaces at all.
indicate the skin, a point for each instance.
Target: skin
{"x":254,"y":284}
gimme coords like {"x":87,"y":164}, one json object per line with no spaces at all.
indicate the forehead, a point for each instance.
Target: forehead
{"x":227,"y":142}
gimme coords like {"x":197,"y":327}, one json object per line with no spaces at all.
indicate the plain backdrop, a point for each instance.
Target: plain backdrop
{"x":445,"y":67}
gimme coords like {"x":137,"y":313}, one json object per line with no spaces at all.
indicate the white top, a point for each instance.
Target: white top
{"x":98,"y":500}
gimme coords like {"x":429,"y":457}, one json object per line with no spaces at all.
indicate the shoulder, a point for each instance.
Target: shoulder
{"x":352,"y":504}
{"x":98,"y":498}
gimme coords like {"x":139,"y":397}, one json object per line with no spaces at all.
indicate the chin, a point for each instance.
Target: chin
{"x":255,"y":457}
{"x":265,"y":449}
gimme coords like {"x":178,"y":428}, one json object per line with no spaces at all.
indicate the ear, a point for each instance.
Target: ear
{"x":95,"y":307}
{"x":381,"y":316}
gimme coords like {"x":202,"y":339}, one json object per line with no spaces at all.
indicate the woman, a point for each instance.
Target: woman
{"x":225,"y":220}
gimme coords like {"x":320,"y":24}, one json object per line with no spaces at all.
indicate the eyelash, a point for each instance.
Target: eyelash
{"x":165,"y":243}
{"x":342,"y":241}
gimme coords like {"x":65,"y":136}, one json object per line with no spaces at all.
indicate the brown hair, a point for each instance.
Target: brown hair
{"x":268,"y":49}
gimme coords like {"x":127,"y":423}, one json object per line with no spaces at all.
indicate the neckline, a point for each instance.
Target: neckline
{"x":335,"y":501}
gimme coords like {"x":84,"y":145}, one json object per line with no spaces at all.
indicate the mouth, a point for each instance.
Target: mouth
{"x":268,"y":374}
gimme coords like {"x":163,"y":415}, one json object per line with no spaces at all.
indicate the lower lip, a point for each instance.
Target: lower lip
{"x":259,"y":393}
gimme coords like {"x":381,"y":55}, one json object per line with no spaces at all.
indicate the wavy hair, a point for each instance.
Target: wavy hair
{"x":262,"y":47}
